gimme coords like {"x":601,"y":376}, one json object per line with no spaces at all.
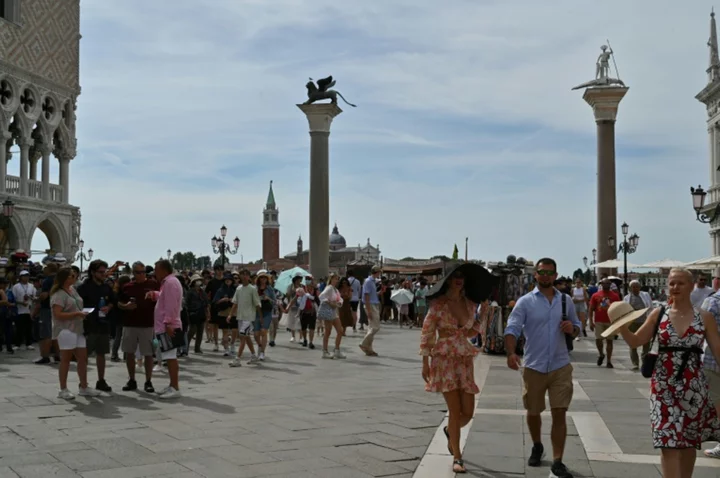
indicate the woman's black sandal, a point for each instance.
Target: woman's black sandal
{"x":447,"y":434}
{"x":461,"y":464}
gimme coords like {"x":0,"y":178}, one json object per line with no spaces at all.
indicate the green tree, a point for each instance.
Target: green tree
{"x":204,"y":262}
{"x":455,"y":253}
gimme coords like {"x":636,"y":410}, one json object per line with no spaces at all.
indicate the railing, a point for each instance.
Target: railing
{"x":12,"y":186}
{"x":34,"y":189}
{"x":56,"y":193}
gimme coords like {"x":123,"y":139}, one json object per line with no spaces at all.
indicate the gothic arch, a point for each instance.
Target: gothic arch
{"x":62,"y":134}
{"x":54,"y":229}
{"x":16,"y":237}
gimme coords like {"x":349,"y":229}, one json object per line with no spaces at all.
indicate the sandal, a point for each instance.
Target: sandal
{"x":459,"y":466}
{"x":447,"y":434}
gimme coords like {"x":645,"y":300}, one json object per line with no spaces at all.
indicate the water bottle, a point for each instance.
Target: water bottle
{"x":101,"y":304}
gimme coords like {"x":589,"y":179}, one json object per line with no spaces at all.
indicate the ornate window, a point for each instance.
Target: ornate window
{"x":274,"y":217}
{"x":10,"y":10}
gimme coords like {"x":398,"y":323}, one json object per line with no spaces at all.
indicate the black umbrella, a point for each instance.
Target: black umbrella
{"x":479,"y":282}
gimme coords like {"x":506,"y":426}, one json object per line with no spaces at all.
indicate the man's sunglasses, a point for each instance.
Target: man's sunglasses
{"x":138,"y":272}
{"x":545,"y":273}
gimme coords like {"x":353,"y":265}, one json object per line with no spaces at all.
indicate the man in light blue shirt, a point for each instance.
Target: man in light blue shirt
{"x":371,"y":301}
{"x":539,"y":316}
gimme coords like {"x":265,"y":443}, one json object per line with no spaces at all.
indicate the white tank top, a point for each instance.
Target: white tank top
{"x":578,"y":293}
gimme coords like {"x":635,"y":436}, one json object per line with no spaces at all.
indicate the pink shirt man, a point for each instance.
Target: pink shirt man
{"x":168,"y":305}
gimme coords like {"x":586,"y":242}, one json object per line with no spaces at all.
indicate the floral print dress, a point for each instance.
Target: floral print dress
{"x":451,"y":365}
{"x":680,"y":412}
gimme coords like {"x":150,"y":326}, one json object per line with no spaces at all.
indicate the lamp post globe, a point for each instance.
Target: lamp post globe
{"x":81,"y":243}
{"x":223,"y":231}
{"x":698,"y":198}
{"x":625,"y":228}
{"x":611,"y":242}
{"x":236,"y":242}
{"x":585,"y":261}
{"x":8,"y":208}
{"x":90,"y":254}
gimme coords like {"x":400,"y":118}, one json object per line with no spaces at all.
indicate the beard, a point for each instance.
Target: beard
{"x":545,"y":283}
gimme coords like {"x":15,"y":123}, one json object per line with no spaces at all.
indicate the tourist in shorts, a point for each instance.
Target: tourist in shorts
{"x":67,"y":316}
{"x":245,"y":307}
{"x":265,"y":315}
{"x":355,"y":299}
{"x":599,"y":320}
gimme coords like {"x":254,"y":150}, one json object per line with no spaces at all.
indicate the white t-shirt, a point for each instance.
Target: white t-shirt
{"x":697,"y":296}
{"x":20,"y":290}
{"x":356,"y":288}
{"x":578,"y":293}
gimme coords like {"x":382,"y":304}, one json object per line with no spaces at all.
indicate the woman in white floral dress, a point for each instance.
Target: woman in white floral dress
{"x":680,"y":413}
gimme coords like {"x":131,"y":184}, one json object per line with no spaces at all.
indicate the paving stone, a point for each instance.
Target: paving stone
{"x":86,"y":460}
{"x":25,"y":458}
{"x":159,"y":469}
{"x":623,"y":470}
{"x":57,"y":470}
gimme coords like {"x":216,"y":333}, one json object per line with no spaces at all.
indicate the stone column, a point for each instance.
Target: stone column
{"x":46,"y":150}
{"x":25,"y":144}
{"x":35,"y":156}
{"x":319,"y":118}
{"x":4,"y":137}
{"x":65,"y":177}
{"x":605,"y":101}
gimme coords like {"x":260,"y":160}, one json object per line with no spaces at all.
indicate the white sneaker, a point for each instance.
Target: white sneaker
{"x":169,"y":392}
{"x":339,"y":354}
{"x":261,"y":357}
{"x":253,"y":360}
{"x":226,"y":353}
{"x":158,"y":368}
{"x":292,"y":339}
{"x":29,"y":347}
{"x":89,"y":392}
{"x":327,"y":355}
{"x":235,"y":363}
{"x":66,"y":394}
{"x":164,"y":390}
{"x":714,"y":452}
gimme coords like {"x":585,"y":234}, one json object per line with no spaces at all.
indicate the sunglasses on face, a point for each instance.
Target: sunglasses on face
{"x":545,"y":273}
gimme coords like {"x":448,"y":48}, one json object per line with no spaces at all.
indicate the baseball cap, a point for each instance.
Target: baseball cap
{"x":24,"y":273}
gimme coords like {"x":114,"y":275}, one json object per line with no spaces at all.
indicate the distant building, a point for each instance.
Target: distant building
{"x":340,"y":253}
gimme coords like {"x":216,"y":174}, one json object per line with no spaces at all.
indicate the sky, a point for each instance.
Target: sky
{"x":466,"y":125}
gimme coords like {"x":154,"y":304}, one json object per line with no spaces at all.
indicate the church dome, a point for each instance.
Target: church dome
{"x":337,"y":241}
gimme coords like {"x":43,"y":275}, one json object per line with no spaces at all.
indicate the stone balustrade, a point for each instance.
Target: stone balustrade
{"x":35,"y":189}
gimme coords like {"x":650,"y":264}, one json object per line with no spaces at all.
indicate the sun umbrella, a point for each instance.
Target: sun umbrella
{"x":402,"y":297}
{"x":706,"y":263}
{"x":479,"y":282}
{"x":662,"y":264}
{"x":285,"y":278}
{"x":614,"y":264}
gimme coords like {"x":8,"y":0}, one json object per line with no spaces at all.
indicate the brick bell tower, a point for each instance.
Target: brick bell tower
{"x":271,"y":229}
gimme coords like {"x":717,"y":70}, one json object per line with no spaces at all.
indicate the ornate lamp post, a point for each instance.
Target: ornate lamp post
{"x":81,"y":255}
{"x":698,"y":197}
{"x":591,"y":264}
{"x":220,"y":247}
{"x":628,"y":246}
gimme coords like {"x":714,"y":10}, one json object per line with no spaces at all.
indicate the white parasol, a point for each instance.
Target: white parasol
{"x":402,"y":297}
{"x":614,"y":264}
{"x":662,"y":264}
{"x":706,"y":263}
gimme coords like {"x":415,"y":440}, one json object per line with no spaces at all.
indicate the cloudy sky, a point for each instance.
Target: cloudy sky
{"x":465,"y":127}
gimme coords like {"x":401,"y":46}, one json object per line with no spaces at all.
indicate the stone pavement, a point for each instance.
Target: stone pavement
{"x":295,"y":416}
{"x":608,"y":430}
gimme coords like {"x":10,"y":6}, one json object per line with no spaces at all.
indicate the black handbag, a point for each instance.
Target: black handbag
{"x":568,"y":337}
{"x":648,"y":362}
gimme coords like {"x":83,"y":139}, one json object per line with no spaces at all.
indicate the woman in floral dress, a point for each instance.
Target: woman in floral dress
{"x":680,"y":413}
{"x":446,"y":329}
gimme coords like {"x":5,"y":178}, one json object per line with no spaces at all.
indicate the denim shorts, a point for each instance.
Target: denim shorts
{"x":263,"y":322}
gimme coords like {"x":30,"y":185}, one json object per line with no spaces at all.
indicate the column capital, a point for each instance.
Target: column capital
{"x":5,"y":135}
{"x":320,"y":115}
{"x":44,"y":149}
{"x":605,"y":101}
{"x":24,"y":142}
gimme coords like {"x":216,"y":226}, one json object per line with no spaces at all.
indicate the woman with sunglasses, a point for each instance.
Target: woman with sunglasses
{"x":449,"y":323}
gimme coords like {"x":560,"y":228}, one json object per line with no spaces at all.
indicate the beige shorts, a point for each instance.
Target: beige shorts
{"x":557,"y":384}
{"x":713,"y":379}
{"x":600,"y":328}
{"x":134,"y":337}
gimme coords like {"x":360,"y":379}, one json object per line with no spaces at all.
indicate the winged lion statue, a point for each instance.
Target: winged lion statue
{"x":321,"y":91}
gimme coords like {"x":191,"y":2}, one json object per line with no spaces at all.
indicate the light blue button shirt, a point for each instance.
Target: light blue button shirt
{"x":538,"y":320}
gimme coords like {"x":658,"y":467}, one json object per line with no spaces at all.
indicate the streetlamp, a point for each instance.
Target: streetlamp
{"x":169,"y":253}
{"x":628,"y":246}
{"x":591,"y":264}
{"x":81,"y":255}
{"x":220,"y":247}
{"x":698,"y":197}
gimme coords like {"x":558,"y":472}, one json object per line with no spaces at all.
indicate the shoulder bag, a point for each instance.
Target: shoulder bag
{"x":648,"y":363}
{"x":568,"y":337}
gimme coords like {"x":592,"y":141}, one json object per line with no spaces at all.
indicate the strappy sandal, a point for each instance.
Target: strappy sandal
{"x":461,"y":464}
{"x":447,"y":434}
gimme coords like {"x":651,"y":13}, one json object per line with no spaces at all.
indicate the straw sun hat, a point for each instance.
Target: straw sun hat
{"x":621,"y":313}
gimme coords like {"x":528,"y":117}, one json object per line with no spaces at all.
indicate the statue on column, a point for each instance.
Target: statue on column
{"x":602,"y":71}
{"x":321,"y":91}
